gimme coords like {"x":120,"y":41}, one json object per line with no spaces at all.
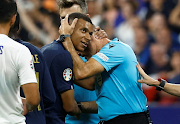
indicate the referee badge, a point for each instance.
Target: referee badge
{"x":67,"y":74}
{"x":102,"y":56}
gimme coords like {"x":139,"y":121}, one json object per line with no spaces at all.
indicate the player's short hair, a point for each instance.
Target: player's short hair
{"x":69,"y":3}
{"x":72,"y":16}
{"x":8,"y":9}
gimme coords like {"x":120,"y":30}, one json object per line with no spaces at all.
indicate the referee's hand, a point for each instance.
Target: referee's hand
{"x":146,"y":78}
{"x":99,"y":33}
{"x":65,"y":28}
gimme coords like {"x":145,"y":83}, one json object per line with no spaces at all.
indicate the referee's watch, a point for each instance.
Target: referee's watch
{"x":161,"y":85}
{"x":79,"y":105}
{"x":63,"y":36}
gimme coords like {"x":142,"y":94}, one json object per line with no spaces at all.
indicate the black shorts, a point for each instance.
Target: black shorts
{"x":135,"y":118}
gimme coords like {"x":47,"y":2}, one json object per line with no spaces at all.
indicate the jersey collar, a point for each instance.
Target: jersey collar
{"x":115,"y":39}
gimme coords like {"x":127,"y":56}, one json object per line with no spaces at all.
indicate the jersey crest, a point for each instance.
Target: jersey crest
{"x":67,"y":74}
{"x":111,"y":45}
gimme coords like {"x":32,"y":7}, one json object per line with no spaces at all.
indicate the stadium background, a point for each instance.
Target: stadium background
{"x":150,"y":27}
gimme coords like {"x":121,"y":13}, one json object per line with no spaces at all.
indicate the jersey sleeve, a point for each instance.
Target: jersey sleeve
{"x":61,"y":72}
{"x":109,"y":57}
{"x":25,"y":67}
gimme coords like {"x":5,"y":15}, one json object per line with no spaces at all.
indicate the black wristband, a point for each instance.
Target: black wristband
{"x":161,"y":85}
{"x":79,"y":105}
{"x":63,"y":36}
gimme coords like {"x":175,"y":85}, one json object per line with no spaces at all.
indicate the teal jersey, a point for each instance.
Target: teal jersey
{"x":118,"y":90}
{"x":83,"y":95}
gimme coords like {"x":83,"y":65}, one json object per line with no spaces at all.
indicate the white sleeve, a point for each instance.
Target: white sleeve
{"x":25,"y":65}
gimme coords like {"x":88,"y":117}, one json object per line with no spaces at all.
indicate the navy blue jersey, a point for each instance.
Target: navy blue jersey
{"x":46,"y":89}
{"x":60,"y":65}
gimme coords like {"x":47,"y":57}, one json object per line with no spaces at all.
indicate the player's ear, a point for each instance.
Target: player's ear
{"x":88,"y":15}
{"x":13,"y":19}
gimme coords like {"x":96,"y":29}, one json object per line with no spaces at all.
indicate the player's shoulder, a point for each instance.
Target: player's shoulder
{"x":116,"y":43}
{"x":54,"y":48}
{"x":114,"y":47}
{"x":13,"y":45}
{"x":49,"y":47}
{"x":27,"y":44}
{"x":30,"y":46}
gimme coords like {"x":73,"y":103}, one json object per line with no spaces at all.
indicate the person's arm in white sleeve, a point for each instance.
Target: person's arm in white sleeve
{"x":27,"y":79}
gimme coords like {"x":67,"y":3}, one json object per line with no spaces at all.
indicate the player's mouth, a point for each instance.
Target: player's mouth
{"x":85,"y":44}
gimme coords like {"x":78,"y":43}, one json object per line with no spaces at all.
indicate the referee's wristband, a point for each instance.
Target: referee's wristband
{"x":79,"y":105}
{"x":161,"y":85}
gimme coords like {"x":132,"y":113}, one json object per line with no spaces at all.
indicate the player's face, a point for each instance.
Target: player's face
{"x":81,"y":35}
{"x":91,"y":49}
{"x":64,"y":11}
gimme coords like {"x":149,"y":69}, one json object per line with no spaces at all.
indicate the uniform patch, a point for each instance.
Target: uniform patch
{"x":111,"y":45}
{"x":31,"y":64}
{"x":99,"y":79}
{"x":102,"y":56}
{"x":67,"y":74}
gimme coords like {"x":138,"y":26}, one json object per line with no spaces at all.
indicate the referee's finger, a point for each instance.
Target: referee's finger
{"x":66,"y":18}
{"x":141,"y":81}
{"x":97,"y":28}
{"x":141,"y":71}
{"x":74,"y":23}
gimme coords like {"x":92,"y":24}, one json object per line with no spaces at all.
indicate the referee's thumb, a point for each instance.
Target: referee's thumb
{"x":141,"y":81}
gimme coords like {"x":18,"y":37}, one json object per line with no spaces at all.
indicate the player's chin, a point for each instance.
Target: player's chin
{"x":81,"y":49}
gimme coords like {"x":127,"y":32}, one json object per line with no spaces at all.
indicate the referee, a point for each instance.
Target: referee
{"x":120,"y":97}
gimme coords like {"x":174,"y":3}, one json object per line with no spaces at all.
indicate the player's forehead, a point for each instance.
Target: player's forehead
{"x":73,"y":9}
{"x":81,"y":23}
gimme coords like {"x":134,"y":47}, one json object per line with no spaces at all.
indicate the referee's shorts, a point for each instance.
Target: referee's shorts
{"x":135,"y":118}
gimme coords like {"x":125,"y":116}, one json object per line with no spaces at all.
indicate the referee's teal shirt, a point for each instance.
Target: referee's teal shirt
{"x":118,"y":90}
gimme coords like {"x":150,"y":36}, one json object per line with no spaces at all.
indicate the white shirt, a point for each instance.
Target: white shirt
{"x":16,"y":69}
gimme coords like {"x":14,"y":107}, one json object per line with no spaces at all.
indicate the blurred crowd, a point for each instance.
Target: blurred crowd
{"x":150,"y":27}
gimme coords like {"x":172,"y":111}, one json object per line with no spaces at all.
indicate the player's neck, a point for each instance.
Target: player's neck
{"x":4,"y":28}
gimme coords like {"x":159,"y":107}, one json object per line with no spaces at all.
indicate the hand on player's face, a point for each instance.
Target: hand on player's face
{"x":95,"y":43}
{"x":91,"y":49}
{"x":65,"y":28}
{"x":99,"y":33}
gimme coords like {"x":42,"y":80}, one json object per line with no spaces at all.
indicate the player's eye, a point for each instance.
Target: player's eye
{"x":83,"y":30}
{"x":63,"y":17}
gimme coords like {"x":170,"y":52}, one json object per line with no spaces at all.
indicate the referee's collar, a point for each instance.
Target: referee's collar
{"x":115,"y":39}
